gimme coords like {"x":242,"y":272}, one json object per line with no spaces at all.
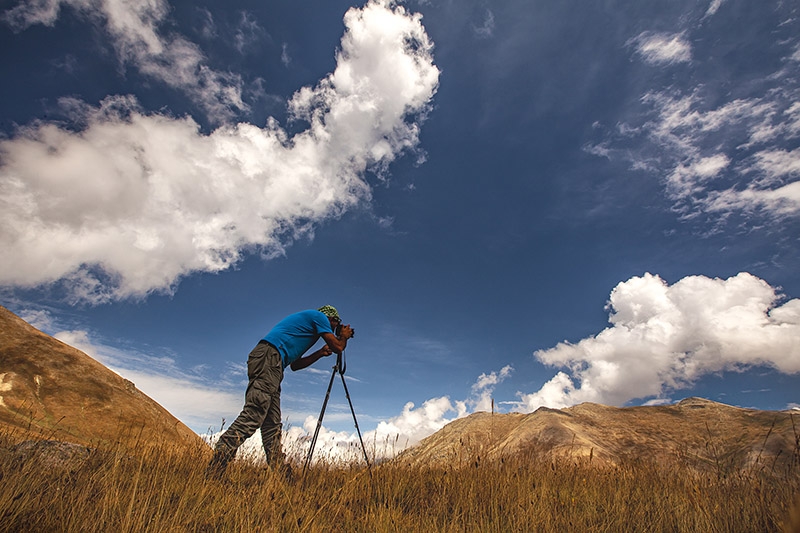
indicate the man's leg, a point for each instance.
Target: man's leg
{"x":271,"y":432}
{"x":259,"y":395}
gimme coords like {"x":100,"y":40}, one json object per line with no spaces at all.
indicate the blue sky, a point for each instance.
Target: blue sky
{"x":539,"y":203}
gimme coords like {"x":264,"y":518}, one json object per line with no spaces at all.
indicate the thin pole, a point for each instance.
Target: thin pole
{"x":363,"y":448}
{"x":319,"y":421}
{"x":339,"y":367}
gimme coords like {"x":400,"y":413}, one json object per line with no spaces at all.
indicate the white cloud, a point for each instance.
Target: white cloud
{"x":485,"y":30}
{"x":717,"y":151}
{"x":777,"y":165}
{"x":38,"y":318}
{"x":782,"y":201}
{"x":134,"y":31}
{"x":658,"y":401}
{"x":663,"y":48}
{"x":414,"y":424}
{"x":713,"y":8}
{"x":664,"y":337}
{"x":206,"y":25}
{"x":688,"y":179}
{"x":766,"y":178}
{"x":483,"y":388}
{"x":488,"y":381}
{"x":719,"y":160}
{"x":248,"y":32}
{"x":34,"y":12}
{"x":134,"y":200}
{"x":194,"y":401}
{"x":286,"y":59}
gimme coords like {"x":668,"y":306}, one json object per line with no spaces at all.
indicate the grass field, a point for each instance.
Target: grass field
{"x":164,"y":491}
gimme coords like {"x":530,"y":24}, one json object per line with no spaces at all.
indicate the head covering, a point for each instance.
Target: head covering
{"x":329,"y":311}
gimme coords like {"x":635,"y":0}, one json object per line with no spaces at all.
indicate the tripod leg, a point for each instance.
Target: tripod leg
{"x":363,"y":448}
{"x":319,"y":422}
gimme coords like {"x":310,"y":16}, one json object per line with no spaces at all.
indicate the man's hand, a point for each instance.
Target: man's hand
{"x":346,"y":332}
{"x":337,"y":344}
{"x":325,"y":351}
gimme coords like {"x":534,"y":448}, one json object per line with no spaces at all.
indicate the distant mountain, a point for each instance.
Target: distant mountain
{"x":699,"y":433}
{"x":49,"y":390}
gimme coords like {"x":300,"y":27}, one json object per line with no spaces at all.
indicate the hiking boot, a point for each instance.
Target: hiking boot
{"x":288,"y":473}
{"x":218,"y":465}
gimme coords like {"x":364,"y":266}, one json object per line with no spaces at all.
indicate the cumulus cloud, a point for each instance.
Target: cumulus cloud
{"x":415,"y":423}
{"x":483,"y":388}
{"x":663,"y":48}
{"x":128,"y":202}
{"x":665,"y":337}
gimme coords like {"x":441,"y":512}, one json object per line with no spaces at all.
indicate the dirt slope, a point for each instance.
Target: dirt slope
{"x":49,"y":390}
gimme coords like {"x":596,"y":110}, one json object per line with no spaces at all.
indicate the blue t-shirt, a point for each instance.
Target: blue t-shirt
{"x":296,"y":333}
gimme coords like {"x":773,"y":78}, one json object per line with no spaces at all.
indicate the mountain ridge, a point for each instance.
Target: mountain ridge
{"x":696,"y":432}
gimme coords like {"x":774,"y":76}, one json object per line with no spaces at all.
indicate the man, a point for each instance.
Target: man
{"x":283,"y":346}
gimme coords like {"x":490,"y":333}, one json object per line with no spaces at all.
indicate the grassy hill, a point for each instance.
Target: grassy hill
{"x":694,"y":433}
{"x":694,"y":466}
{"x":49,"y":390}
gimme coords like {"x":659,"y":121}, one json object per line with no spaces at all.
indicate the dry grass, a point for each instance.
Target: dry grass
{"x":157,"y":490}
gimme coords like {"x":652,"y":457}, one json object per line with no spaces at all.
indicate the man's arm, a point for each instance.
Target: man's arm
{"x":310,"y":359}
{"x":338,"y":344}
{"x":332,"y":344}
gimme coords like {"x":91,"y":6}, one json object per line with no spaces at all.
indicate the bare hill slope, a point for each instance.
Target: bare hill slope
{"x":696,"y":432}
{"x":49,"y":390}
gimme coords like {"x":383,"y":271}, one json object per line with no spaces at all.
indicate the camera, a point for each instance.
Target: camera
{"x":338,"y":331}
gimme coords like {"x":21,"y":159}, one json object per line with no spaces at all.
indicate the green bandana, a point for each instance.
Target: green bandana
{"x":329,"y":311}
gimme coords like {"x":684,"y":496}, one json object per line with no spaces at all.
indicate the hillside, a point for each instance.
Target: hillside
{"x":695,"y":432}
{"x":49,"y":390}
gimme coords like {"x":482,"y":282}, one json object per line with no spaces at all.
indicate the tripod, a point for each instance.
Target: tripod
{"x":340,"y":367}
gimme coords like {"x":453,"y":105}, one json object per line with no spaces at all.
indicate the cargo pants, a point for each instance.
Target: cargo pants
{"x":262,"y":409}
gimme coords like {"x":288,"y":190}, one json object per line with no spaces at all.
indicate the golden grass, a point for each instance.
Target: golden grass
{"x":166,"y":491}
